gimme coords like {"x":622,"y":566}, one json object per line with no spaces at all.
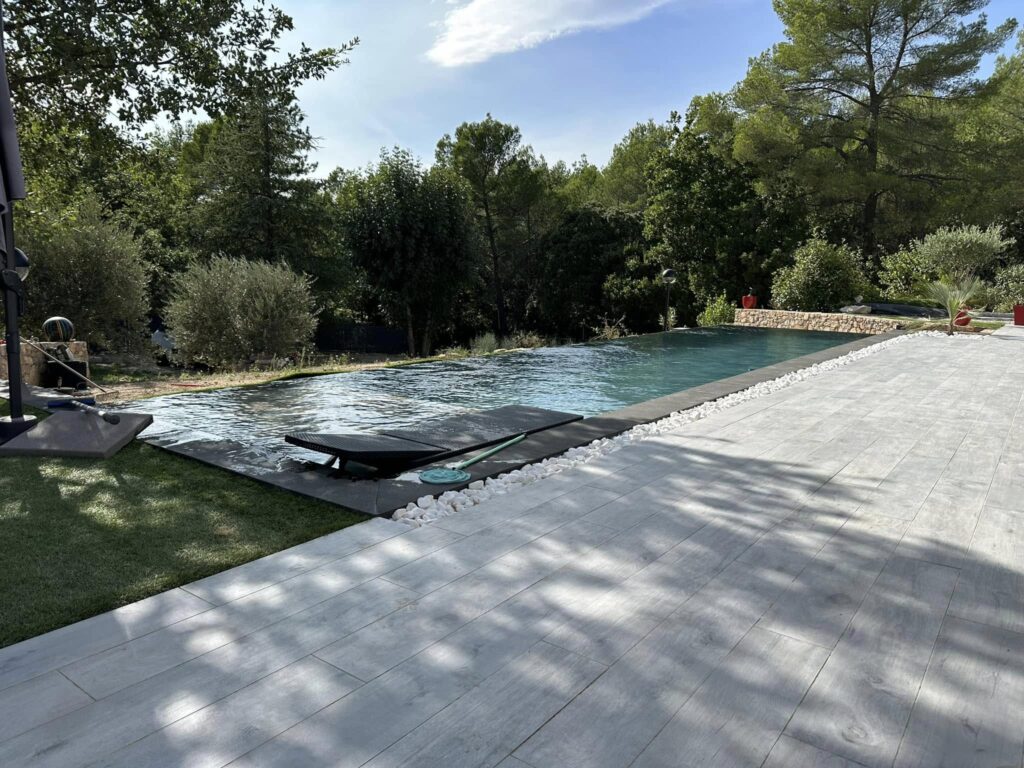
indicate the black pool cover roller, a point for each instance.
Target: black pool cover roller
{"x":394,"y":451}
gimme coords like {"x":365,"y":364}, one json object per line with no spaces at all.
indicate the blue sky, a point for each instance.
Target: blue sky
{"x":575,"y":75}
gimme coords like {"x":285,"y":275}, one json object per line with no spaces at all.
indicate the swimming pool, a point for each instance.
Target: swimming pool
{"x":587,"y":379}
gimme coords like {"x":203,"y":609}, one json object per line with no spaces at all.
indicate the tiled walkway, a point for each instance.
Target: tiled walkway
{"x":831,"y":575}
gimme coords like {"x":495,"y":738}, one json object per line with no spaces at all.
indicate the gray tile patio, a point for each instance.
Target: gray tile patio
{"x":829,"y":576}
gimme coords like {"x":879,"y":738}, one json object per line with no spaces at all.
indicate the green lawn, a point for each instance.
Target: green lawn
{"x":80,"y":537}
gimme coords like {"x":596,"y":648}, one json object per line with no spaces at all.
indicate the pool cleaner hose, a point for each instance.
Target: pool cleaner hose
{"x":457,"y":474}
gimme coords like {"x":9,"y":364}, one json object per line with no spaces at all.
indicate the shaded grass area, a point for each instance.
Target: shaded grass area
{"x":80,"y":537}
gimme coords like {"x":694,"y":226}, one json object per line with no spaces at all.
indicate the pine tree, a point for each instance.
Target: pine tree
{"x":256,"y":198}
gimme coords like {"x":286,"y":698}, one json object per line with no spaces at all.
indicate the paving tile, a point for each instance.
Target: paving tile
{"x":613,"y":720}
{"x":25,"y":705}
{"x":62,"y":646}
{"x":965,"y":716}
{"x":550,"y":492}
{"x":821,"y":601}
{"x":380,"y":646}
{"x":99,"y":729}
{"x":360,"y":726}
{"x":131,"y":662}
{"x":991,"y":586}
{"x":944,"y":526}
{"x":245,"y":579}
{"x":216,"y":735}
{"x":791,"y":753}
{"x":860,"y":702}
{"x":486,"y":724}
{"x":737,"y":715}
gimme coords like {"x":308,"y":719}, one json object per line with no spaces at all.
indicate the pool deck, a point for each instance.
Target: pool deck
{"x":383,"y":497}
{"x":832,"y":575}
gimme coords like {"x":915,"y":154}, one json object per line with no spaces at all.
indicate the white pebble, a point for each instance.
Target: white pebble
{"x":427,"y":509}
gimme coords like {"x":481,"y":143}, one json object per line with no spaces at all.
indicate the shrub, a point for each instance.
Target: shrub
{"x":484,"y":344}
{"x":89,"y":270}
{"x":525,"y":340}
{"x":903,"y":273}
{"x":822,"y":278}
{"x":719,"y":311}
{"x":229,"y":311}
{"x":961,"y":251}
{"x":610,"y":330}
{"x":1009,"y":288}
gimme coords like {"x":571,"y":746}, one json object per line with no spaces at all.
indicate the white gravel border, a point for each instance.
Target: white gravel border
{"x":427,"y":509}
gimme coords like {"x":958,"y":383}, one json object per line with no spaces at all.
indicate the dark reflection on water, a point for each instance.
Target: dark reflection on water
{"x":585,"y":378}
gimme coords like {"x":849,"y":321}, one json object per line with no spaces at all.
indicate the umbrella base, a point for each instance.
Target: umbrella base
{"x":11,"y":428}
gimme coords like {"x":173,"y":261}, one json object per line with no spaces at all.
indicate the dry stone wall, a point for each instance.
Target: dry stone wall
{"x":33,"y":362}
{"x":836,"y":322}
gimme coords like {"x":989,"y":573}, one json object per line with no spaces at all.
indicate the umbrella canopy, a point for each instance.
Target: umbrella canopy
{"x":12,"y":178}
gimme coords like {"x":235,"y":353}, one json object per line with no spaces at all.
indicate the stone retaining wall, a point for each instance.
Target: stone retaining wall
{"x":837,"y":322}
{"x":33,"y":362}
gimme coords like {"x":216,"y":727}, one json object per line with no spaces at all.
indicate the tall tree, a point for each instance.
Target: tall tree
{"x":709,"y":221}
{"x":255,"y":196}
{"x":487,"y":154}
{"x":624,"y":179}
{"x":411,"y":231}
{"x":74,"y":63}
{"x":851,"y":102}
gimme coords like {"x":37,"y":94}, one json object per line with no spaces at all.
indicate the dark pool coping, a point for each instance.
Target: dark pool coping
{"x":383,"y":497}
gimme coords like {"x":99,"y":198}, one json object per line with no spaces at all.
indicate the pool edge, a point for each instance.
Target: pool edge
{"x":381,"y":498}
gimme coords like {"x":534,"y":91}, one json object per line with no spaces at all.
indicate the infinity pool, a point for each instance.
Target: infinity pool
{"x":583,"y":378}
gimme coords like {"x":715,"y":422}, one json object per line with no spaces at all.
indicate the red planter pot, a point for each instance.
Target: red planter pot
{"x":962,"y":319}
{"x":750,"y":302}
{"x":1018,"y":314}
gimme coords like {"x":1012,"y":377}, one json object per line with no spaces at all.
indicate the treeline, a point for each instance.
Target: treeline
{"x":842,"y":152}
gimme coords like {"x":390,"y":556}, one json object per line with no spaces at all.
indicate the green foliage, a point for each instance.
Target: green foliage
{"x":903,"y":272}
{"x":255,"y":197}
{"x":411,"y":232}
{"x":961,"y":251}
{"x":517,"y":198}
{"x":712,"y":223}
{"x":635,"y":297}
{"x":822,"y":278}
{"x":952,"y":294}
{"x":585,"y":247}
{"x":76,"y":63}
{"x":1009,"y":287}
{"x":719,"y":311}
{"x":231,"y":311}
{"x":88,"y":269}
{"x":623,"y":181}
{"x":862,"y":105}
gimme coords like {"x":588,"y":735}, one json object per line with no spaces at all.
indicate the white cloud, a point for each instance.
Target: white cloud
{"x":479,"y":29}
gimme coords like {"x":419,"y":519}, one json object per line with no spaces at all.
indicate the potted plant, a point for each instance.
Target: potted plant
{"x":953,"y":295}
{"x":750,"y":300}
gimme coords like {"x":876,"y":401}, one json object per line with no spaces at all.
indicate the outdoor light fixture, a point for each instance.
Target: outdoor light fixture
{"x":21,"y":264}
{"x":668,"y":277}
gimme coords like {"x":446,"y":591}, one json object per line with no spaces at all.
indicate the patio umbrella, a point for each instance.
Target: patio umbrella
{"x":12,"y":187}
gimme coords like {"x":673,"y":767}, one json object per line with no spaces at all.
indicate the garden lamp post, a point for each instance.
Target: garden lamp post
{"x":668,"y":277}
{"x":14,"y":265}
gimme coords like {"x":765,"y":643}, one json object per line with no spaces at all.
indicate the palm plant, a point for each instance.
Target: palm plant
{"x":952,"y":294}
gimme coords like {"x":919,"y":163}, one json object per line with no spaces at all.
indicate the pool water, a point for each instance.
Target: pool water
{"x":587,"y":379}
